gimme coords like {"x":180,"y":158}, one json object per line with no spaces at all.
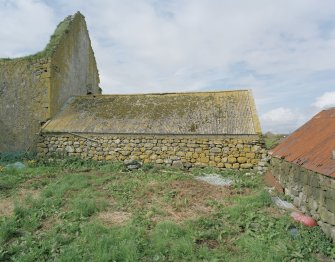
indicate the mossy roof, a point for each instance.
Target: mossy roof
{"x":226,"y":112}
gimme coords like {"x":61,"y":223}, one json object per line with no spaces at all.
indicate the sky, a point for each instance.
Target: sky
{"x":284,"y":51}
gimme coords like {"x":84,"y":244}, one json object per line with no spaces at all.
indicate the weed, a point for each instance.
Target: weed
{"x":171,"y":242}
{"x":169,"y":217}
{"x":147,"y":167}
{"x":85,"y":206}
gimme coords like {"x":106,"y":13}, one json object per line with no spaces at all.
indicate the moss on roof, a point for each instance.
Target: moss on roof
{"x":228,"y":112}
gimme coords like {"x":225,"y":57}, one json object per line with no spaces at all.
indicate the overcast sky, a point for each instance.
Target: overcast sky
{"x":283,"y":50}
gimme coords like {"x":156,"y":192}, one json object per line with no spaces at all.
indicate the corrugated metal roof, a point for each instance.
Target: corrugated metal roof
{"x":227,"y":112}
{"x":312,"y":144}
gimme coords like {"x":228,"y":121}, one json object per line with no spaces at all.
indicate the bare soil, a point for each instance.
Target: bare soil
{"x":7,"y":204}
{"x":187,"y":199}
{"x":112,"y":218}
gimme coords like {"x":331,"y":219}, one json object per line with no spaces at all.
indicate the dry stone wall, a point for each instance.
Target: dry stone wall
{"x":312,"y":192}
{"x":178,"y":151}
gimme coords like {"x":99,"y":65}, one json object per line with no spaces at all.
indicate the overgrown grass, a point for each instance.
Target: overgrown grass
{"x":272,"y":140}
{"x":63,"y":222}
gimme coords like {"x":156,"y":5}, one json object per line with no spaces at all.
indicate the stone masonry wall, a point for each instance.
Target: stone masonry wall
{"x":34,"y":88}
{"x":24,"y":101}
{"x":73,"y":71}
{"x":178,"y":151}
{"x":312,"y":192}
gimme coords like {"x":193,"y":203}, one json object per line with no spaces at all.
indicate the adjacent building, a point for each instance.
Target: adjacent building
{"x":304,"y":164}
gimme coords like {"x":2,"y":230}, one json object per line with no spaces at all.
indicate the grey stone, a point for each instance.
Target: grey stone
{"x":177,"y":164}
{"x":332,"y":233}
{"x":215,"y":150}
{"x":330,"y":204}
{"x":132,"y":164}
{"x":79,"y":150}
{"x":187,"y":165}
{"x":168,"y":161}
{"x":69,"y":149}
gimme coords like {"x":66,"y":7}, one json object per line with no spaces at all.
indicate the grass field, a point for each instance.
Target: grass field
{"x":73,"y":210}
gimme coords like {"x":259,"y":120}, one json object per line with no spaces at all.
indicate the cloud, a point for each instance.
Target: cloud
{"x":280,"y":115}
{"x":154,"y":46}
{"x":26,"y":26}
{"x":283,"y":120}
{"x":283,"y":50}
{"x":326,"y":100}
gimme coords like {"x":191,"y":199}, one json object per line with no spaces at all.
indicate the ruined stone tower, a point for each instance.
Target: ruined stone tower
{"x":34,"y":88}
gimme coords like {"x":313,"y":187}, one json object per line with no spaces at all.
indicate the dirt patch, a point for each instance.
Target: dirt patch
{"x":6,"y":207}
{"x":48,"y":223}
{"x":112,"y":218}
{"x":24,"y":193}
{"x":210,"y":243}
{"x":182,"y":200}
{"x":274,"y":211}
{"x":7,"y":204}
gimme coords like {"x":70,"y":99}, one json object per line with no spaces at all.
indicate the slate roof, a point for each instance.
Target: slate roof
{"x":311,"y":145}
{"x":215,"y":113}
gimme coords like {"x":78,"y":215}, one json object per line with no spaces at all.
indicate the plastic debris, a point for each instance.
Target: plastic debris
{"x":293,"y":231}
{"x":303,"y":219}
{"x":283,"y":204}
{"x":215,"y":179}
{"x":16,"y":165}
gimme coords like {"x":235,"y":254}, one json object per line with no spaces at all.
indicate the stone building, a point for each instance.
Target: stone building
{"x":304,"y":164}
{"x":218,"y":129}
{"x":54,"y":97}
{"x":34,"y":88}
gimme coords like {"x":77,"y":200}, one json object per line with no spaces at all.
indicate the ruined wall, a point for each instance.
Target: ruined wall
{"x":34,"y":88}
{"x":312,"y":192}
{"x":24,"y":102}
{"x":181,"y":151}
{"x":73,"y":66}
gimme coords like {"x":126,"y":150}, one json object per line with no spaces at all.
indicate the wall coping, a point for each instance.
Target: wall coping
{"x":256,"y":137}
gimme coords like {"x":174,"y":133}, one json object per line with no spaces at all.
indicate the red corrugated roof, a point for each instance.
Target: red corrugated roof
{"x":311,"y":146}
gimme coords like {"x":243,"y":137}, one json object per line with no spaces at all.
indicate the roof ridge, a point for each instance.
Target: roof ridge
{"x":170,"y":93}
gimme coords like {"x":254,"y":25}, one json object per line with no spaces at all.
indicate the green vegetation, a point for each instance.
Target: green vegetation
{"x":75,"y":210}
{"x":62,"y":28}
{"x":272,"y":140}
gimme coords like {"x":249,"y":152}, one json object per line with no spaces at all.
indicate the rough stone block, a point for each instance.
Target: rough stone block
{"x":177,"y":164}
{"x":241,"y":160}
{"x":327,"y":216}
{"x":330,"y":205}
{"x":69,"y":149}
{"x":227,"y":165}
{"x":246,"y":166}
{"x":204,"y":159}
{"x":215,"y":150}
{"x":232,"y":159}
{"x":236,"y":166}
